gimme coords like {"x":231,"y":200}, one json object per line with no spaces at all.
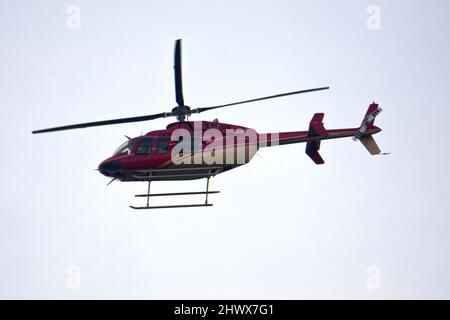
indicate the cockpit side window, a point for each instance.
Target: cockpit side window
{"x":145,"y":146}
{"x":125,"y":148}
{"x":162,"y":145}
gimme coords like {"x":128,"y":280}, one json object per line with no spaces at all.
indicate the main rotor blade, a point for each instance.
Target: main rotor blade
{"x":199,"y":110}
{"x":178,"y":74}
{"x":103,"y":123}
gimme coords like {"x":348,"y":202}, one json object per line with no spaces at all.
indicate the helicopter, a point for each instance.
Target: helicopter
{"x":188,"y":150}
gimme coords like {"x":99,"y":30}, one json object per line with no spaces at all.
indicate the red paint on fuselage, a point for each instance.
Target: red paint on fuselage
{"x":125,"y":166}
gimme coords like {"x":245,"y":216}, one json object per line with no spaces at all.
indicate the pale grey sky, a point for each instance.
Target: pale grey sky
{"x":282,"y":226}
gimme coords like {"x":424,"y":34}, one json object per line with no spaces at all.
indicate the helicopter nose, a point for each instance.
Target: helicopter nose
{"x":110,"y":168}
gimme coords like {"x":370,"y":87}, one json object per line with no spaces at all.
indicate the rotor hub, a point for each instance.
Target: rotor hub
{"x":181,"y":112}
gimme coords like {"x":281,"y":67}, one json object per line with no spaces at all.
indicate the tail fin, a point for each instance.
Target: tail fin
{"x":365,"y":131}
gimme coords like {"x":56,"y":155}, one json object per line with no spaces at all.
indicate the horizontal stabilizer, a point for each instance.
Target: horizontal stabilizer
{"x":312,"y":150}
{"x":316,"y":129}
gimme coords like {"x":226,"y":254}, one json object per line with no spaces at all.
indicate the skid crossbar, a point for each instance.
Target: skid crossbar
{"x":175,"y":194}
{"x":156,"y":174}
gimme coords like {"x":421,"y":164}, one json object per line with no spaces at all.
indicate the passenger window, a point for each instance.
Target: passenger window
{"x":162,"y":145}
{"x":192,"y":147}
{"x":180,"y":140}
{"x":145,"y":146}
{"x":195,"y":144}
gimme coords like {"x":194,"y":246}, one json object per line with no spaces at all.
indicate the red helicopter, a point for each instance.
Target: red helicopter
{"x":188,"y":150}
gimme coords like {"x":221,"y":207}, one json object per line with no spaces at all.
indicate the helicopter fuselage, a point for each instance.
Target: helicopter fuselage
{"x":199,"y":149}
{"x":183,"y":151}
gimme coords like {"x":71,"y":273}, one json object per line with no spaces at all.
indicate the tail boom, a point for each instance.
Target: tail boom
{"x":317,"y":133}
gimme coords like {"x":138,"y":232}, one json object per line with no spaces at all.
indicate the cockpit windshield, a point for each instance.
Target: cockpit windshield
{"x":124,"y":148}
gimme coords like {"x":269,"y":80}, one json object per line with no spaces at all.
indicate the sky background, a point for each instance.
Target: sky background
{"x":360,"y":226}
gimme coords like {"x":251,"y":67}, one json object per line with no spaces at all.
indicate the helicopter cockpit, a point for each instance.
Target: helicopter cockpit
{"x":125,"y":148}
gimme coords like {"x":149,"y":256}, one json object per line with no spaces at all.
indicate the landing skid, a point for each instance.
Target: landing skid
{"x":173,"y":206}
{"x":148,"y":195}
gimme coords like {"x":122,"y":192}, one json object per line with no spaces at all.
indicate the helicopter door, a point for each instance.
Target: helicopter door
{"x":143,"y":152}
{"x":145,"y":146}
{"x":162,"y":145}
{"x":162,"y":154}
